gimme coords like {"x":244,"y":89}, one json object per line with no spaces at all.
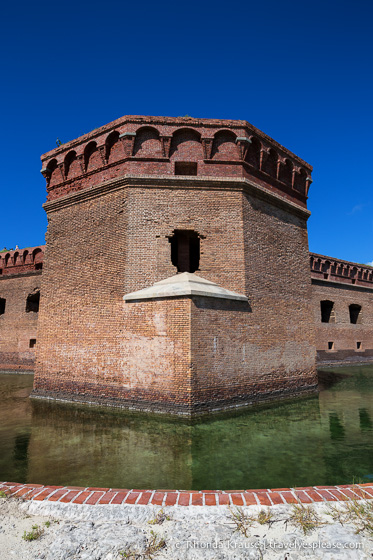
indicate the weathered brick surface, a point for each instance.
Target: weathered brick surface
{"x":175,"y":354}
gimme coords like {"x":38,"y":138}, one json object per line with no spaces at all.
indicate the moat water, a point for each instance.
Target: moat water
{"x":325,"y":439}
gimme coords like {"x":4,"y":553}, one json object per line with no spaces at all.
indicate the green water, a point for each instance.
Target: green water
{"x":326,"y":439}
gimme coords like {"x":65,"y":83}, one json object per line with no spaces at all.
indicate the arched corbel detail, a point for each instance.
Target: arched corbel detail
{"x":102,"y":152}
{"x":61,"y":167}
{"x":281,"y":161}
{"x":166,"y":145}
{"x":264,"y":150}
{"x":243,"y":144}
{"x":128,"y":142}
{"x":293,"y":174}
{"x":80,"y":158}
{"x":207,"y":147}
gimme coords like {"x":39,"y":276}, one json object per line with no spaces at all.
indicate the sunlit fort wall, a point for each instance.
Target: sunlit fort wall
{"x":144,"y":198}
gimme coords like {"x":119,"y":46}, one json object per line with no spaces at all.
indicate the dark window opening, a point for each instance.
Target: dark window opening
{"x":358,"y":346}
{"x":2,"y":306}
{"x":185,"y":250}
{"x":327,"y":311}
{"x":185,"y":168}
{"x":38,"y":266}
{"x":32,"y":302}
{"x":1,"y":271}
{"x":355,"y":313}
{"x":330,"y":345}
{"x":32,"y":342}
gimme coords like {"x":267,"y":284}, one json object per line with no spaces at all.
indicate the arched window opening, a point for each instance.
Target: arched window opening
{"x":355,"y":313}
{"x":185,"y":250}
{"x":2,"y":306}
{"x":32,"y":302}
{"x":327,"y":311}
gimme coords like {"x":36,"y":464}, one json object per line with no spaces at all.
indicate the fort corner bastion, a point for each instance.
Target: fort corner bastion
{"x":177,"y":276}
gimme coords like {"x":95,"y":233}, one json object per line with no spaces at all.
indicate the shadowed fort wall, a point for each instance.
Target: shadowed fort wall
{"x":20,"y":278}
{"x":341,"y":335}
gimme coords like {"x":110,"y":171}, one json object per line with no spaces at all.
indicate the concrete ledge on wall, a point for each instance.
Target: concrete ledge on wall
{"x":184,"y":284}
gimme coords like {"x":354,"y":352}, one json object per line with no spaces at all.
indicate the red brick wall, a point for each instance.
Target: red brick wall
{"x":137,"y":145}
{"x":146,"y":366}
{"x":104,"y":245}
{"x":83,"y":279}
{"x":236,"y":359}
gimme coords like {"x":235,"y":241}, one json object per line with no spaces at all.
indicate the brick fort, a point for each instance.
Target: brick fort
{"x":176,"y":275}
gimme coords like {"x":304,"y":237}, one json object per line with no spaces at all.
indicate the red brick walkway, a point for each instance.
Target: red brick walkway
{"x":100,"y":496}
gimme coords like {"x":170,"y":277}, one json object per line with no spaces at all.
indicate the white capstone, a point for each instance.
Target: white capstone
{"x":184,"y":284}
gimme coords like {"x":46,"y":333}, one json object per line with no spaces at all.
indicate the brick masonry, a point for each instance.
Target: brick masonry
{"x":115,"y":198}
{"x":93,"y":496}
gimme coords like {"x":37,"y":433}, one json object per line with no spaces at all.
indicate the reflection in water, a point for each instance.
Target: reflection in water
{"x":335,"y":425}
{"x":20,"y":453}
{"x":365,"y":421}
{"x":325,"y":439}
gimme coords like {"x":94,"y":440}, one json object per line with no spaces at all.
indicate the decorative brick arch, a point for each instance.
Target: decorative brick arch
{"x":147,"y":143}
{"x":92,"y":157}
{"x":186,"y":145}
{"x":224,"y":146}
{"x":113,"y":147}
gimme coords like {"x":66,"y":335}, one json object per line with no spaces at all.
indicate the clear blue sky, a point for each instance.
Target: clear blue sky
{"x":299,"y":71}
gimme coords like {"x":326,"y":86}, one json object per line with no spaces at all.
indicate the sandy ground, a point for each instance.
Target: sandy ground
{"x":81,"y":532}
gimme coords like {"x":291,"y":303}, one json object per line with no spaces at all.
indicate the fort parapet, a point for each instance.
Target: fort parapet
{"x":153,"y":146}
{"x":21,"y":261}
{"x":337,"y":270}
